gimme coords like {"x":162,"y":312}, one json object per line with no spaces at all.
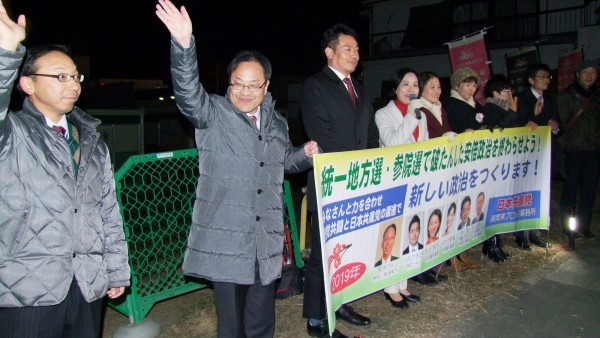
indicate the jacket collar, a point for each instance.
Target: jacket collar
{"x":332,"y":76}
{"x":76,"y":116}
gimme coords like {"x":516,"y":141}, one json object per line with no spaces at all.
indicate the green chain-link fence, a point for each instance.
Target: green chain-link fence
{"x":156,"y":194}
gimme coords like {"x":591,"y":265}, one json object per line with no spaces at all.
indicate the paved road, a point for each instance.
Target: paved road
{"x":563,"y":303}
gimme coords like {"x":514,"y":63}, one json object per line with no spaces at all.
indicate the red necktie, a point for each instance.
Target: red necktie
{"x":253,"y":119}
{"x":60,"y":129}
{"x":348,"y":83}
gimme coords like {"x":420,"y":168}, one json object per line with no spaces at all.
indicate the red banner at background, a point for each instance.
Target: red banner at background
{"x":567,"y":66}
{"x":471,"y":52}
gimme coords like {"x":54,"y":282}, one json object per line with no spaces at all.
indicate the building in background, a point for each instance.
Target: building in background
{"x":414,"y":32}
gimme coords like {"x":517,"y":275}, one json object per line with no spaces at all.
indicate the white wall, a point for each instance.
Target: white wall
{"x":394,"y":15}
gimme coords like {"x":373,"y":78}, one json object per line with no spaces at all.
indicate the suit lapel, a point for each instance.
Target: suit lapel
{"x":343,"y":90}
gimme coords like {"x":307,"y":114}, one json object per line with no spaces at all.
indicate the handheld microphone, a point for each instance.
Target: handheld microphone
{"x":417,"y":110}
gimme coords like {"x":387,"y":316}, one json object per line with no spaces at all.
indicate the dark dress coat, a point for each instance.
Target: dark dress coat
{"x":331,"y":120}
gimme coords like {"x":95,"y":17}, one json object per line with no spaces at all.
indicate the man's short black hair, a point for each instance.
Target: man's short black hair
{"x":251,"y":56}
{"x":33,"y":54}
{"x":496,"y":83}
{"x":533,"y":69}
{"x":331,"y":36}
{"x":465,"y":200}
{"x":417,"y":220}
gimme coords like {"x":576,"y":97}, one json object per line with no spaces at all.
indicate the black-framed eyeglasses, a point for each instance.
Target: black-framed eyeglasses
{"x":238,"y":87}
{"x":63,"y":77}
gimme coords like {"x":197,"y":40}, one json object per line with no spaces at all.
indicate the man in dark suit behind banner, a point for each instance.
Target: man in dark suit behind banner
{"x":537,"y":107}
{"x":337,"y":114}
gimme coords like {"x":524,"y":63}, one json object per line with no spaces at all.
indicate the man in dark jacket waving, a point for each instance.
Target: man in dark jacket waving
{"x":62,"y":247}
{"x":236,"y":237}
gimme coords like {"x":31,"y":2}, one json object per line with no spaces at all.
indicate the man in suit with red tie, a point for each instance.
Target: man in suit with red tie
{"x":338,"y":115}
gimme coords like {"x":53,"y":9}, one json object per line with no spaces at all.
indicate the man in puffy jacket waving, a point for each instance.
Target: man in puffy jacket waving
{"x":62,"y":247}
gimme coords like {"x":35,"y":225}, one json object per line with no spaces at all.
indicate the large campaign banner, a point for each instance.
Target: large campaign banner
{"x":440,"y":197}
{"x":471,"y":52}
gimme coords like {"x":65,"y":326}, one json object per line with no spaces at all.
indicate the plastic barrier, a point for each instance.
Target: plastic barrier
{"x":156,"y":194}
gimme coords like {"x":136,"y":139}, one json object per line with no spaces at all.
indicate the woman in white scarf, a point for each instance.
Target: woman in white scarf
{"x":431,"y":108}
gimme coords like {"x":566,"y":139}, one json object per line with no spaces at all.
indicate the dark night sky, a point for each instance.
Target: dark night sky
{"x":125,"y":39}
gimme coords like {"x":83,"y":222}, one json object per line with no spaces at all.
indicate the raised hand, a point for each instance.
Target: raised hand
{"x":11,"y":33}
{"x":512,"y":100}
{"x":178,"y":22}
{"x":532,"y":125}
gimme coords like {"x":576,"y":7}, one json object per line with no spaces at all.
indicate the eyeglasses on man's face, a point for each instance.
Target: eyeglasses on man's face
{"x":543,"y":77}
{"x":238,"y":87}
{"x":63,"y":77}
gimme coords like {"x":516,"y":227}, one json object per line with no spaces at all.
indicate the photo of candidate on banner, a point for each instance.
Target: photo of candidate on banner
{"x":388,"y":214}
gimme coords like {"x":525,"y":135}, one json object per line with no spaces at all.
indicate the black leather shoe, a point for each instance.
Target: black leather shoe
{"x":411,"y":298}
{"x":523,"y":245}
{"x":439,"y":278}
{"x":424,"y":278}
{"x":534,"y":239}
{"x":495,"y":255}
{"x":402,"y":304}
{"x":504,"y":254}
{"x":322,"y":330}
{"x":348,"y":314}
{"x":589,"y":234}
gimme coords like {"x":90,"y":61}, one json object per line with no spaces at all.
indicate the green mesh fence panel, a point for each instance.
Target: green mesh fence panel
{"x":156,"y":195}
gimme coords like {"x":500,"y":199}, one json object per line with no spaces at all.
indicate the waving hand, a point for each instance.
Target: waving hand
{"x":11,"y":33}
{"x":178,"y":22}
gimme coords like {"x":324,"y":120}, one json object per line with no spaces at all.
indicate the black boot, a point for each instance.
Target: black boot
{"x":490,"y":248}
{"x":499,"y":245}
{"x":486,"y":246}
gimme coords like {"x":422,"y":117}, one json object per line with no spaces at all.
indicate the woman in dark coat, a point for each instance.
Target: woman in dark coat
{"x":500,"y":111}
{"x":464,"y":113}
